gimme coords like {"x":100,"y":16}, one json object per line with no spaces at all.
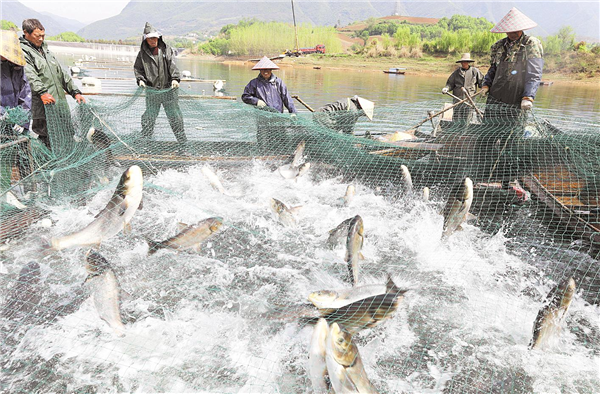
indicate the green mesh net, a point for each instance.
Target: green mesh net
{"x":209,"y":279}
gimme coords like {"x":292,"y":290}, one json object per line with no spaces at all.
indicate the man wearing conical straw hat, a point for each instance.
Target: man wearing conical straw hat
{"x":15,"y":108}
{"x":516,"y":63}
{"x":465,"y":76}
{"x":268,"y":93}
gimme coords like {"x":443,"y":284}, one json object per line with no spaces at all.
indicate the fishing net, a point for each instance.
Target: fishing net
{"x":450,"y":313}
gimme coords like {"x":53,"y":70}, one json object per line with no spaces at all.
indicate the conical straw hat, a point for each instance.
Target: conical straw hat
{"x":466,"y":57}
{"x":265,"y":64}
{"x":11,"y":48}
{"x":515,"y":20}
{"x":367,"y":106}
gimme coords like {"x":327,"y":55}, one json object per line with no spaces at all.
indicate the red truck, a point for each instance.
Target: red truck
{"x":306,"y":51}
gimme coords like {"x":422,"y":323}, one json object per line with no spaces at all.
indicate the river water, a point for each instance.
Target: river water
{"x":205,"y":322}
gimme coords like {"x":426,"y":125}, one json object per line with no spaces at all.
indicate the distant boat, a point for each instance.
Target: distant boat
{"x":395,"y":70}
{"x":547,"y":83}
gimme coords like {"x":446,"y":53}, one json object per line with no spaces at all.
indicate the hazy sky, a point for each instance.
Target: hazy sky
{"x":92,"y":10}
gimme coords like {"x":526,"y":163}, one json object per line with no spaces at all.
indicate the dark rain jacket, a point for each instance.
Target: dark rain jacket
{"x":273,"y":92}
{"x":515,"y":71}
{"x":45,"y":75}
{"x":15,"y":88}
{"x":156,"y":71}
{"x":470,"y":79}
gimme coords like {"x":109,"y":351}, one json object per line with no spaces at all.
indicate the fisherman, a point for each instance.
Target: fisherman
{"x":15,"y":109}
{"x":342,"y":115}
{"x":464,"y":76}
{"x":516,"y":64}
{"x":269,"y":93}
{"x":155,"y":68}
{"x":48,"y":82}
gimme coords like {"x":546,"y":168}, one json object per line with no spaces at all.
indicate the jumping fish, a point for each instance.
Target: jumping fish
{"x":113,"y":218}
{"x":549,"y":319}
{"x":344,"y":364}
{"x":213,"y":179}
{"x":406,"y":179}
{"x":367,"y":312}
{"x":330,"y":299}
{"x":457,"y":207}
{"x":284,"y":214}
{"x":297,"y":167}
{"x":339,"y":233}
{"x":190,"y":237}
{"x":105,"y":291}
{"x":354,"y":243}
{"x":317,"y":366}
{"x":426,"y":194}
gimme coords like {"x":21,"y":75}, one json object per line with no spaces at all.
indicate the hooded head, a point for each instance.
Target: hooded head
{"x":150,"y":31}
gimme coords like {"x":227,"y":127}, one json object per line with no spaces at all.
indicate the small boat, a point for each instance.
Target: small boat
{"x":546,"y":83}
{"x":395,"y":70}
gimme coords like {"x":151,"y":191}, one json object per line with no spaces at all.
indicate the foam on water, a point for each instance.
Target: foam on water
{"x":203,"y":322}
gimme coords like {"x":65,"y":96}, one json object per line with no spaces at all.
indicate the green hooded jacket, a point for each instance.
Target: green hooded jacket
{"x":45,"y":75}
{"x":156,"y":71}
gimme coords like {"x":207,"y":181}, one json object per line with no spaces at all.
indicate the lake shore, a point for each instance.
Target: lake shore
{"x":426,"y":66}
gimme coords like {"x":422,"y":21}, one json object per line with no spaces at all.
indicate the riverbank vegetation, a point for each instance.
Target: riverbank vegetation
{"x":256,"y":38}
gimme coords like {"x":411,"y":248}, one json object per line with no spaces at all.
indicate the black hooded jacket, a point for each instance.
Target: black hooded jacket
{"x":156,"y":71}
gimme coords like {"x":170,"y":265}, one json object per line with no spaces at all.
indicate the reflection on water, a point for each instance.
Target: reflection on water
{"x":319,"y":87}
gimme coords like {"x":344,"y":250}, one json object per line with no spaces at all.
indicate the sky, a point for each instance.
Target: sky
{"x":88,"y":11}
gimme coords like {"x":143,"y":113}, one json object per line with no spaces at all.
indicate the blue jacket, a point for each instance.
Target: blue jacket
{"x":273,"y":92}
{"x":15,"y":88}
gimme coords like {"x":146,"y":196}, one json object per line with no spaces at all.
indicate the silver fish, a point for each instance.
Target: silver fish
{"x":406,"y":179}
{"x":105,"y":291}
{"x":354,"y":243}
{"x":339,"y":233}
{"x":284,"y":214}
{"x":213,"y":179}
{"x":113,"y":218}
{"x":457,"y":207}
{"x":317,"y":366}
{"x":344,"y":364}
{"x":297,"y":167}
{"x":328,"y":299}
{"x":190,"y":237}
{"x":549,"y":319}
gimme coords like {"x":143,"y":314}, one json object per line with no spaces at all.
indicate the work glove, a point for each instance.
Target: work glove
{"x":445,"y":90}
{"x":47,"y":99}
{"x":142,"y":84}
{"x":80,"y":99}
{"x":293,"y":117}
{"x":261,"y":104}
{"x":18,"y":129}
{"x":485,"y":90}
{"x":174,"y":84}
{"x":526,"y":103}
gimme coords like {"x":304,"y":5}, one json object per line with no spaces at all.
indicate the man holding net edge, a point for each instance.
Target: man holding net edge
{"x":156,"y":70}
{"x":269,"y":93}
{"x":516,"y":64}
{"x":48,"y":81}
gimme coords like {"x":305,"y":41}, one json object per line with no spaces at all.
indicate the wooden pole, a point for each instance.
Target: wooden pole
{"x":442,"y":111}
{"x":295,"y":27}
{"x":456,"y":98}
{"x":471,"y":101}
{"x":184,"y":96}
{"x":303,"y":103}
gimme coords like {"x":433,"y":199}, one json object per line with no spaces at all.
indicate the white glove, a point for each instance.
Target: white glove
{"x":174,"y":84}
{"x":485,"y":90}
{"x":293,"y":116}
{"x":142,"y":84}
{"x":18,"y":129}
{"x":445,"y":90}
{"x":260,"y":103}
{"x":526,"y":105}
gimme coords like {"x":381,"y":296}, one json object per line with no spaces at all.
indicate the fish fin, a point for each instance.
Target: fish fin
{"x":181,"y":226}
{"x":127,"y":228}
{"x":141,"y":206}
{"x":296,"y":209}
{"x":361,"y":256}
{"x":470,"y":217}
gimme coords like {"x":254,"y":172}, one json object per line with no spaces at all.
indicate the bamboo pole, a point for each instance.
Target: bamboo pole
{"x":442,"y":111}
{"x":471,"y":101}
